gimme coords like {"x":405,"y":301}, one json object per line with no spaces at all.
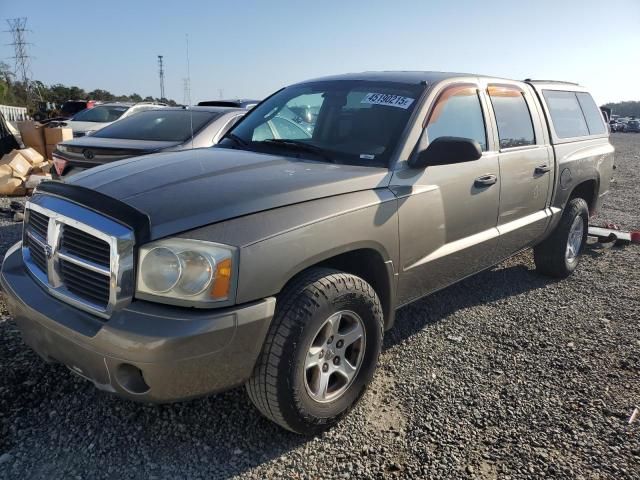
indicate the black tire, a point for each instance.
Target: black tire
{"x":550,"y":255}
{"x":277,"y":386}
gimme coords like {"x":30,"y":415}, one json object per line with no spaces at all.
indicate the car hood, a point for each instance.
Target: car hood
{"x":180,"y":191}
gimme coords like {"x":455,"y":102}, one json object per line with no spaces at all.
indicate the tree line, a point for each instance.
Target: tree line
{"x":625,"y":109}
{"x":16,"y":93}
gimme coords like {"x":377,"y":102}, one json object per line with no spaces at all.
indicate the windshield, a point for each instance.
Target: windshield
{"x":342,"y":121}
{"x":158,"y":124}
{"x":101,"y":114}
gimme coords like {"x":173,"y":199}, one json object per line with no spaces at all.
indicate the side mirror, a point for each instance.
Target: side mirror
{"x":447,"y":150}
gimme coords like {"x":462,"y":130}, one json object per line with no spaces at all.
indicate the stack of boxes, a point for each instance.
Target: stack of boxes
{"x":22,"y":170}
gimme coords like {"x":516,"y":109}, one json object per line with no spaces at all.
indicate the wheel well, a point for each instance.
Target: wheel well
{"x":369,"y":265}
{"x":587,"y":191}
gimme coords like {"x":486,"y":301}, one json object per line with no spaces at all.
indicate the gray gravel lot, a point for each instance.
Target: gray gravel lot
{"x":505,"y":375}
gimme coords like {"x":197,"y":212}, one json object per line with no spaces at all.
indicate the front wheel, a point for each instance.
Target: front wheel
{"x":320,"y":353}
{"x":558,"y":255}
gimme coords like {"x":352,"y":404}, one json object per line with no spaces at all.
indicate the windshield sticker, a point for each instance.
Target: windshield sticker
{"x":387,"y":99}
{"x":366,"y":156}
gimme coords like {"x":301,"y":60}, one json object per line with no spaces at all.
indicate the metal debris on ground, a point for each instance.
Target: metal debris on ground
{"x":634,"y":416}
{"x":611,"y":233}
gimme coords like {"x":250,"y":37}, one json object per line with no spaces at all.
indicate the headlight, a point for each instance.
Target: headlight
{"x":186,"y":272}
{"x":61,"y":148}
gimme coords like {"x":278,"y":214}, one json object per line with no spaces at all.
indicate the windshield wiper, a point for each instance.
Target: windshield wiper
{"x":300,"y":146}
{"x":236,"y":139}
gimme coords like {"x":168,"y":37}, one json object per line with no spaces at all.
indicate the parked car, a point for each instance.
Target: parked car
{"x":88,"y":121}
{"x":48,"y":112}
{"x":617,"y":126}
{"x":279,"y":262}
{"x":237,"y":103}
{"x":150,"y":131}
{"x":633,"y":126}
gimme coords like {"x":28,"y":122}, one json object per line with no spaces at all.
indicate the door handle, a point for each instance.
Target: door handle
{"x":485,"y":181}
{"x":540,"y":169}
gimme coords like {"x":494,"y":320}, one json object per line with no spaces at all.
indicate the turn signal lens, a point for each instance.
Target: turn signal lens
{"x":222,"y":283}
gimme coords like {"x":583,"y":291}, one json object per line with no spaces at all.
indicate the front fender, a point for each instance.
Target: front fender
{"x":363,"y":220}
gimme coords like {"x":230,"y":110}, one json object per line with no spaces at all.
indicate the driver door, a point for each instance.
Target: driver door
{"x":448,"y":213}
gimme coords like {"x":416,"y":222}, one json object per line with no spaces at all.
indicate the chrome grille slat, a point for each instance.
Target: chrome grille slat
{"x":37,"y":254}
{"x":39,"y":223}
{"x":80,"y":256}
{"x":85,"y":246}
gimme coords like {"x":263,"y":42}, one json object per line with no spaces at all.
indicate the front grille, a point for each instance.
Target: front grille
{"x":85,"y":246}
{"x":38,"y":256}
{"x":71,"y":254}
{"x":87,"y":284}
{"x":38,"y":223}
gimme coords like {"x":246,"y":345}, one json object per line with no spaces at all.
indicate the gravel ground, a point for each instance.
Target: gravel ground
{"x":505,"y":375}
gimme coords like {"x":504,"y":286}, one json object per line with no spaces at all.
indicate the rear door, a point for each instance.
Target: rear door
{"x":526,"y":166}
{"x":447,"y":213}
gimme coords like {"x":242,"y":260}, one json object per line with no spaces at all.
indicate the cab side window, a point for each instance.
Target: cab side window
{"x":458,"y":113}
{"x":515,"y":128}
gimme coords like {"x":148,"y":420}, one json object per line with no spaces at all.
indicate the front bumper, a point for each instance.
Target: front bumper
{"x":146,"y":352}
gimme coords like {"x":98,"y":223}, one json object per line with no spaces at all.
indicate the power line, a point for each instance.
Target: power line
{"x":161,"y":72}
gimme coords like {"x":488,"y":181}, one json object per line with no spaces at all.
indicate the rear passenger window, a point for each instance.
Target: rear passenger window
{"x":515,"y":128}
{"x":593,"y":115}
{"x":458,"y":114}
{"x":566,"y":114}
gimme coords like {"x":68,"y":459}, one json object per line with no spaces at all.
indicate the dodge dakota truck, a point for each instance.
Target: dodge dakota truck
{"x":277,"y":259}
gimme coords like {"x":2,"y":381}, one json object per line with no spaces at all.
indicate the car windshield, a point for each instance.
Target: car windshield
{"x":158,"y":124}
{"x":101,"y":114}
{"x":342,"y":121}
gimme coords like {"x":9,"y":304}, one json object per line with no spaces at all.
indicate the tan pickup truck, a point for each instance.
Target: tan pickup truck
{"x":278,"y":258}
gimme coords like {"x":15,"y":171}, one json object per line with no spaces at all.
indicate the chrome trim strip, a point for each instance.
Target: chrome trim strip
{"x":94,"y":267}
{"x":119,"y":238}
{"x":37,"y":238}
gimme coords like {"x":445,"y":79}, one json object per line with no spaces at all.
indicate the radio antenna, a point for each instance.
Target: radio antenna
{"x":187,"y":88}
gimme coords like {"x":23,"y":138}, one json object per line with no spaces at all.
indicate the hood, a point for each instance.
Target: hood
{"x":180,"y":191}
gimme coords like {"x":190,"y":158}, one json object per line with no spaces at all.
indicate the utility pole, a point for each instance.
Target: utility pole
{"x":22,"y":68}
{"x":161,"y":72}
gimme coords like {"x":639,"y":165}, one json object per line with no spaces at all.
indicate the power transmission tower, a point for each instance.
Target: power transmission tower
{"x":161,"y":72}
{"x":22,"y":67}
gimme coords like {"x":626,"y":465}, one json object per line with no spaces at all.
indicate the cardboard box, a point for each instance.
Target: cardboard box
{"x":11,"y":186}
{"x":6,"y":171}
{"x":9,"y":157}
{"x":33,"y":136}
{"x":46,"y":168}
{"x":32,"y":155}
{"x":20,"y":165}
{"x":50,"y":150}
{"x":33,"y":181}
{"x":53,"y":136}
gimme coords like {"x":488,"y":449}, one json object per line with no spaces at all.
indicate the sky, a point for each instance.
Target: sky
{"x":251,"y":48}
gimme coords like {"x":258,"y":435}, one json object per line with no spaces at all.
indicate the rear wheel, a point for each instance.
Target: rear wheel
{"x":558,"y":255}
{"x":320,"y":353}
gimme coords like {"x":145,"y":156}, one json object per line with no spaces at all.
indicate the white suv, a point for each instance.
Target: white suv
{"x":92,"y":119}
